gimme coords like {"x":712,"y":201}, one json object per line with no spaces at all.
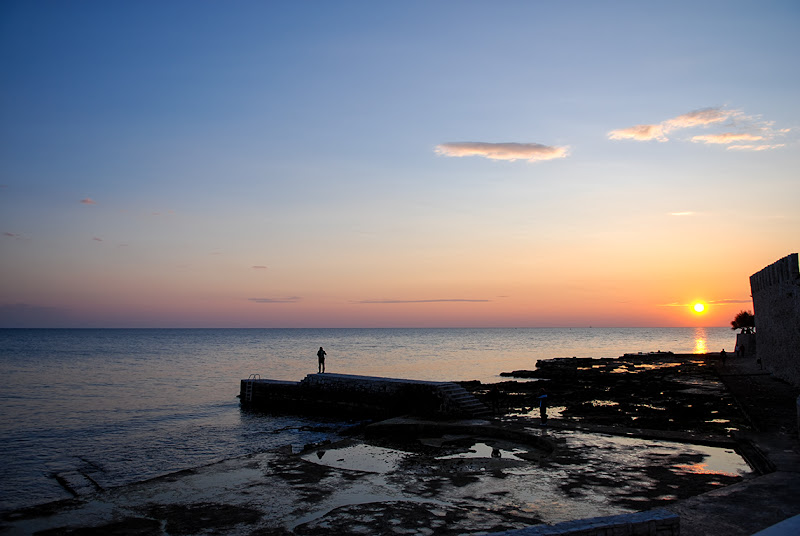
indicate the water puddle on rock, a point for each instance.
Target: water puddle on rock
{"x":679,"y":458}
{"x":482,"y":450}
{"x":359,"y":457}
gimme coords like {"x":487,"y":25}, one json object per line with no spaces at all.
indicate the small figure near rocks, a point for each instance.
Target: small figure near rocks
{"x":494,"y":399}
{"x":543,"y":406}
{"x":723,"y":355}
{"x":321,"y":358}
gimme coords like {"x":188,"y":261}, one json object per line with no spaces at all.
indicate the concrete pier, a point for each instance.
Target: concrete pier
{"x":366,"y":396}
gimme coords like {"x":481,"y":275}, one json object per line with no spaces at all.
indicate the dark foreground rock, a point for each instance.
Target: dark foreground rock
{"x":659,"y":391}
{"x":418,"y":477}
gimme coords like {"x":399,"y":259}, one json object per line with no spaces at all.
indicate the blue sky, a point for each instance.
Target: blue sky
{"x":418,"y":163}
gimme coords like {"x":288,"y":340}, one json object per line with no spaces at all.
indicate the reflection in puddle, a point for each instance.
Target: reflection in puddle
{"x":366,"y":458}
{"x":715,"y":460}
{"x":651,"y":406}
{"x":587,"y":475}
{"x":482,"y":450}
{"x":599,"y":403}
{"x":553,"y":412}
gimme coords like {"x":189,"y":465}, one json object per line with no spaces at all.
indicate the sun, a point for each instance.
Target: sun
{"x":698,"y":307}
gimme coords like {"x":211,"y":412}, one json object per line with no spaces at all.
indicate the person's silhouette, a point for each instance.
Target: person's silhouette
{"x":321,"y":359}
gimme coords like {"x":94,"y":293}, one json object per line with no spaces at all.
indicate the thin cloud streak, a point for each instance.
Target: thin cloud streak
{"x":755,"y":147}
{"x":259,"y":267}
{"x":291,"y":299}
{"x":532,"y":152}
{"x":88,"y":201}
{"x":710,"y":302}
{"x":681,"y":213}
{"x":424,"y":301}
{"x":726,"y":137}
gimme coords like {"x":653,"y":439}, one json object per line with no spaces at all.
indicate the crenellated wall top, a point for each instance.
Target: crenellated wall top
{"x":785,"y":270}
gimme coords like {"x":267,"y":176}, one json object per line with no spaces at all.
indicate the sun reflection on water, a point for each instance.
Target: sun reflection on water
{"x":700,"y":338}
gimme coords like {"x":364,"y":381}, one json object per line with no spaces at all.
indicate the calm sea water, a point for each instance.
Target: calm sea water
{"x":121,"y":405}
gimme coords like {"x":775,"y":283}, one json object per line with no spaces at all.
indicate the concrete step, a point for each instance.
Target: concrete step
{"x":465,"y":402}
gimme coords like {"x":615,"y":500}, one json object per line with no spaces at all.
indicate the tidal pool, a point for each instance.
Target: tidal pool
{"x":588,"y":474}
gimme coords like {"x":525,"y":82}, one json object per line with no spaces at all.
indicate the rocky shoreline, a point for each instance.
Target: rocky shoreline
{"x":660,"y":391}
{"x":626,"y":435}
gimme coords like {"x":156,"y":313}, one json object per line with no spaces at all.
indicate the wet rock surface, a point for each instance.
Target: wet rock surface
{"x":660,"y":391}
{"x":417,"y":477}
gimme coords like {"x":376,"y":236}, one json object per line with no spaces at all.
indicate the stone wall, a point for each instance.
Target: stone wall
{"x":776,"y":306}
{"x":746,"y":344}
{"x":658,"y":522}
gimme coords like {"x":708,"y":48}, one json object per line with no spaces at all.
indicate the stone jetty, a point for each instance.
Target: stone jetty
{"x":362,"y":396}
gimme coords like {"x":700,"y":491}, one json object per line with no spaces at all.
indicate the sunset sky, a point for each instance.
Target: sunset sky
{"x":376,"y":164}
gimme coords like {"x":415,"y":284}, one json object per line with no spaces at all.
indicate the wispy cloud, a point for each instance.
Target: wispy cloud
{"x":425,"y":301}
{"x":11,"y":235}
{"x":726,"y":137}
{"x":755,"y":147}
{"x":532,"y":152}
{"x":699,"y":118}
{"x":639,"y":132}
{"x":259,"y":267}
{"x":290,"y":299}
{"x":748,"y":128}
{"x":88,"y":201}
{"x":681,"y":213}
{"x":97,"y":239}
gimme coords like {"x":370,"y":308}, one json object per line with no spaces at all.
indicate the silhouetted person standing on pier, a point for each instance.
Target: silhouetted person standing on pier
{"x":321,"y":358}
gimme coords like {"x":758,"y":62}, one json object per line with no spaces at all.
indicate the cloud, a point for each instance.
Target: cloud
{"x":88,"y":201}
{"x":532,"y":152}
{"x":291,"y":299}
{"x":697,"y":118}
{"x":726,"y":137}
{"x":681,"y":213}
{"x":97,"y":239}
{"x":749,"y":129}
{"x":658,"y":131}
{"x":639,"y":132}
{"x":755,"y":147}
{"x":259,"y":267}
{"x":12,"y":235}
{"x":424,"y":301}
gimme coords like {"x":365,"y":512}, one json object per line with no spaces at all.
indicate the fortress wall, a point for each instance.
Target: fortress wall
{"x":776,"y":306}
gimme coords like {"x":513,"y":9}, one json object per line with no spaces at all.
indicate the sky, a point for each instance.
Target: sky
{"x":405,"y":164}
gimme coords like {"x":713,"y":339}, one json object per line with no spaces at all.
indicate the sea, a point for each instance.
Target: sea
{"x":116,"y":406}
